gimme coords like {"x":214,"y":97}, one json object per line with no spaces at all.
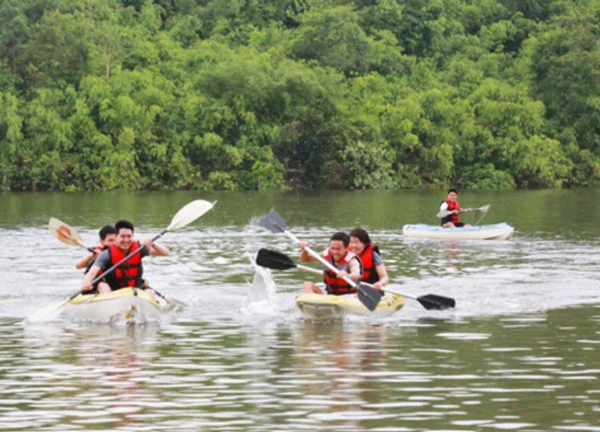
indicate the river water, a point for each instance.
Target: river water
{"x":519,"y":352}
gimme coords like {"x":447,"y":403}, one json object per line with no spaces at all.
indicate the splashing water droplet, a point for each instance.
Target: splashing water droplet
{"x":262,"y":298}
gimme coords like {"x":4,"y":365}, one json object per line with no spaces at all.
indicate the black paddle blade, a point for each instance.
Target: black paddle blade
{"x":274,"y":260}
{"x":368,"y":296}
{"x":273,"y":222}
{"x":432,"y":301}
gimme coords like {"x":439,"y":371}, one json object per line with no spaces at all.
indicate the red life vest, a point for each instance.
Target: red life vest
{"x":333,"y":284}
{"x":454,"y":216}
{"x":369,"y":271}
{"x":128,"y":274}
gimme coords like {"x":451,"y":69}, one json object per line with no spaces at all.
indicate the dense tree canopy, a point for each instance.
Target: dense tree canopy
{"x":275,"y":94}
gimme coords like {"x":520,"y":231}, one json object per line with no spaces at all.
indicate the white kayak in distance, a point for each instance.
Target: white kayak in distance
{"x":126,"y":304}
{"x":500,"y":231}
{"x":326,"y":306}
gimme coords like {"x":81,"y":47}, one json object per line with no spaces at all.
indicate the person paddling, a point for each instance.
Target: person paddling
{"x":341,"y":258}
{"x":374,"y":271}
{"x":451,"y":205}
{"x":128,"y":274}
{"x":107,"y":235}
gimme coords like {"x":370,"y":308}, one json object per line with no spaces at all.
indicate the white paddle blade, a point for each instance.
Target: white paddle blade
{"x":189,"y":213}
{"x":64,"y":233}
{"x":49,"y":313}
{"x":484,"y":208}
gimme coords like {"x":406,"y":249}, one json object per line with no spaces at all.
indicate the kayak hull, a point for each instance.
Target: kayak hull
{"x":321,"y":306}
{"x":127,"y":304}
{"x":501,"y":231}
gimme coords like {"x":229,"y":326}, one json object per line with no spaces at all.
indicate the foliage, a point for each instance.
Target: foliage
{"x":270,"y":95}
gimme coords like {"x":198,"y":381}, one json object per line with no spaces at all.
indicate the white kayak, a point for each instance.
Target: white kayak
{"x":320,"y":306}
{"x":126,"y":304}
{"x":501,"y":231}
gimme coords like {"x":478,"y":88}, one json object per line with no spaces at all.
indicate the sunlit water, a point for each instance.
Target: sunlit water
{"x":520,"y":351}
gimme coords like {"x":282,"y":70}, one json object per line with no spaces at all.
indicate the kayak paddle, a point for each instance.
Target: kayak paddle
{"x":445,"y":213}
{"x":368,"y":296}
{"x":169,"y":300}
{"x":67,"y":234}
{"x":186,"y":215}
{"x":278,"y":261}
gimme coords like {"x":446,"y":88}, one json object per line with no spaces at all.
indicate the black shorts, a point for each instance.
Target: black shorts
{"x":457,"y":225}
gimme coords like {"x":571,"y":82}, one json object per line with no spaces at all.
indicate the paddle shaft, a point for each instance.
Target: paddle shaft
{"x":466,"y":210}
{"x":90,"y":249}
{"x":446,"y":213}
{"x":321,"y":259}
{"x":158,"y":294}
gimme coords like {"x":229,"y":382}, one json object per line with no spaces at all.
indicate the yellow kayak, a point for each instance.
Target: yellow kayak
{"x":330,"y":306}
{"x":126,"y":304}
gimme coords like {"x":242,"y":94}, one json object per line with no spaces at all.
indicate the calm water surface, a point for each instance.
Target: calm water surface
{"x":520,"y":351}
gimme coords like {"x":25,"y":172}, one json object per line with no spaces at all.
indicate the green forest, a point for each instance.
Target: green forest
{"x":299,"y":94}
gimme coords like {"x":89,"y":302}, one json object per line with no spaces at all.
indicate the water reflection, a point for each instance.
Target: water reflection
{"x":83,"y":374}
{"x":266,"y":374}
{"x":452,"y":251}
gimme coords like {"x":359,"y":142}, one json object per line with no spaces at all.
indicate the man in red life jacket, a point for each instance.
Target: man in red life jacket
{"x":341,"y":258}
{"x":107,"y":234}
{"x":451,"y":204}
{"x":374,"y":271}
{"x":128,"y":274}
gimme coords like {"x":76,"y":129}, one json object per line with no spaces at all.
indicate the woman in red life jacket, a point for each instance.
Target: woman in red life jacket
{"x":374,"y":271}
{"x":451,"y":204}
{"x":341,"y":258}
{"x":128,"y":274}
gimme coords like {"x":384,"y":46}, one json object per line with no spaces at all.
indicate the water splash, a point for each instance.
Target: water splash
{"x":262,"y":298}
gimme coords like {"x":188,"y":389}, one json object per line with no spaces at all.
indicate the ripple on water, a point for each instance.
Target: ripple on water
{"x":242,"y":359}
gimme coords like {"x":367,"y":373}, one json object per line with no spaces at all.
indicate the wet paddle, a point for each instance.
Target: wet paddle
{"x":368,"y":296}
{"x":278,"y":261}
{"x":71,"y":237}
{"x":183,"y":217}
{"x":169,"y":300}
{"x":66,"y":234}
{"x":445,"y":213}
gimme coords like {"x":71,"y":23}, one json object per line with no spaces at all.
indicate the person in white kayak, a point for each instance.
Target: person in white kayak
{"x":128,"y":274}
{"x":341,"y":258}
{"x":451,"y":205}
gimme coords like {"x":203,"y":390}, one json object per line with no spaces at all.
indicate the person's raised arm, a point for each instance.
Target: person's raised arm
{"x":156,"y":249}
{"x":84,"y":262}
{"x":304,"y":255}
